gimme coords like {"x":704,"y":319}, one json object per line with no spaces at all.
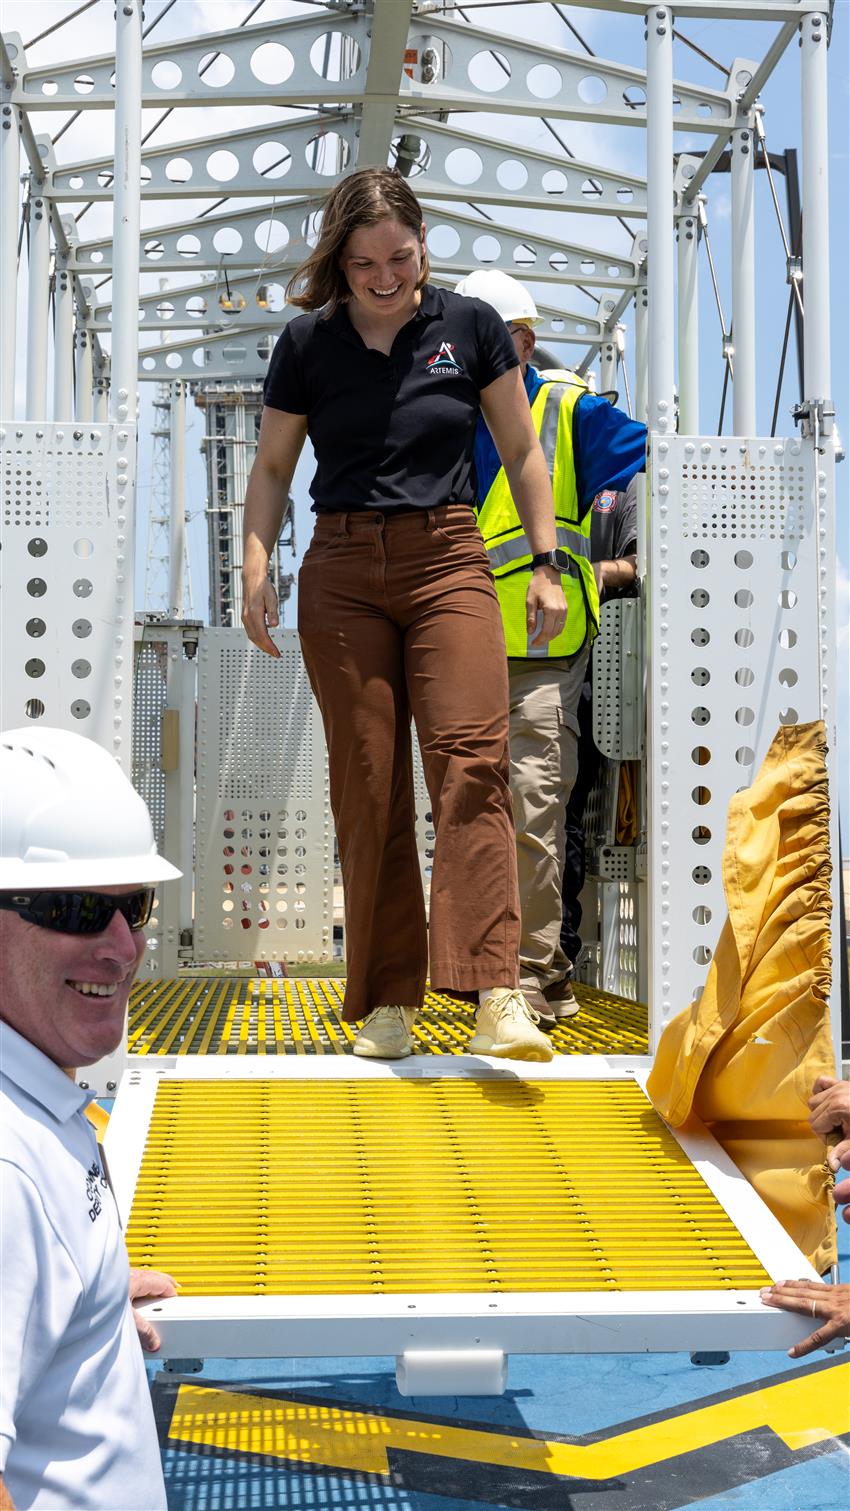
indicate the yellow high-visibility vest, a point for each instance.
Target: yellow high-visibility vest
{"x":508,"y":547}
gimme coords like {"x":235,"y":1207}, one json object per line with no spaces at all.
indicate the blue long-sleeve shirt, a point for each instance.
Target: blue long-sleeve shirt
{"x":608,"y":447}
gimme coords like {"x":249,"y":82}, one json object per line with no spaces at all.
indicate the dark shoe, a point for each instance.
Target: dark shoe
{"x":561,"y":1000}
{"x":538,"y":1003}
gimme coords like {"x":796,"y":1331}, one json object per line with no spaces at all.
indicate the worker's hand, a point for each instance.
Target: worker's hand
{"x":828,"y":1304}
{"x":829,"y":1111}
{"x":545,"y":606}
{"x":260,"y":613}
{"x":149,"y":1285}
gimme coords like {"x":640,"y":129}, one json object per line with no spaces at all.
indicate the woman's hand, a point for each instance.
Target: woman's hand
{"x":829,"y":1305}
{"x":545,"y":606}
{"x":260,"y":613}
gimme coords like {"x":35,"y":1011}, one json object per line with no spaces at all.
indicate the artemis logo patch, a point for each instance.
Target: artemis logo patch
{"x":444,"y":363}
{"x":605,"y":501}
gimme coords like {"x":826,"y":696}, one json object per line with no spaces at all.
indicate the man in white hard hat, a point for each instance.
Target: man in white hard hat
{"x":590,"y":446}
{"x":78,"y":865}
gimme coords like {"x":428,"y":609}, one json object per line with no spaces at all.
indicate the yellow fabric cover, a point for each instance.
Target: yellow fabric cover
{"x":745,"y":1056}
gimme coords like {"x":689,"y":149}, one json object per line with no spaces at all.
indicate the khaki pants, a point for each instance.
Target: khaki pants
{"x":544,"y":763}
{"x":398,"y":617}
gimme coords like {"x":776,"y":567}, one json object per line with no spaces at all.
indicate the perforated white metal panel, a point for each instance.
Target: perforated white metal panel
{"x":425,"y":831}
{"x":620,"y":928}
{"x":149,"y":700}
{"x":618,"y":681}
{"x":66,"y":618}
{"x":739,"y":610}
{"x":264,"y":831}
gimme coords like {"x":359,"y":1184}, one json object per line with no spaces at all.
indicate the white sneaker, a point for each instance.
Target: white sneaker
{"x":385,"y":1033}
{"x":507,"y":1028}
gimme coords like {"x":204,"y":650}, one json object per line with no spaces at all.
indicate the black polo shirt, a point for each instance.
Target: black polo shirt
{"x":392,"y":432}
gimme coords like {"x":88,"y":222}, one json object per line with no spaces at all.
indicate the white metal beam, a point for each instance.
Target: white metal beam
{"x":390,"y":23}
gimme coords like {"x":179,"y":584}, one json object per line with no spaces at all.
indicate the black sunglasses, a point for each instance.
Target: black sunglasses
{"x":80,"y":912}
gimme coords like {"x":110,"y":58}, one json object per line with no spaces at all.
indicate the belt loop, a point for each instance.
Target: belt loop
{"x":344,"y":525}
{"x":431,"y":521}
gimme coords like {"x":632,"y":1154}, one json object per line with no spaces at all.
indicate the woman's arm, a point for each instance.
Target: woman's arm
{"x":278,"y":449}
{"x":507,"y":412}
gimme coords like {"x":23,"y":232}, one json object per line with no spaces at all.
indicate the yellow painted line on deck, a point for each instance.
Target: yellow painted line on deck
{"x":802,"y":1411}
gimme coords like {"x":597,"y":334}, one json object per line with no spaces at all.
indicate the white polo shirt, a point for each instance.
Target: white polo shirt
{"x":76,"y":1420}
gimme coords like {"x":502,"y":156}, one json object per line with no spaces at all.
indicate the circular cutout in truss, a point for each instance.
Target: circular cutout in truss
{"x":216,"y":69}
{"x":410,"y":154}
{"x":165,"y":309}
{"x":788,"y":677}
{"x":166,"y":74}
{"x":327,"y":153}
{"x":787,"y":639}
{"x":81,"y":628}
{"x":272,"y":159}
{"x":544,"y":81}
{"x":153,"y":250}
{"x":148,"y":364}
{"x":222,"y":165}
{"x":701,"y":796}
{"x":700,"y":755}
{"x":634,"y":98}
{"x":744,"y":637}
{"x":745,"y":676}
{"x":271,"y":236}
{"x":36,"y":587}
{"x":559,"y":262}
{"x":76,"y":181}
{"x":311,"y":225}
{"x":700,"y":676}
{"x":80,"y":708}
{"x":700,"y":558}
{"x":511,"y":174}
{"x":486,"y":249}
{"x":335,"y":56}
{"x":554,"y":181}
{"x":105,"y":178}
{"x":34,"y":667}
{"x":743,"y":598}
{"x":592,"y":90}
{"x":744,"y":560}
{"x":701,"y":875}
{"x":49,"y":87}
{"x":464,"y":166}
{"x":702,"y":954}
{"x":700,"y":597}
{"x":591,"y":189}
{"x":34,"y":708}
{"x":174,"y":360}
{"x":787,"y":599}
{"x":188,"y":246}
{"x":196,"y":306}
{"x":489,"y":71}
{"x":587,"y":266}
{"x":700,"y":636}
{"x":272,"y":63}
{"x":744,"y":716}
{"x":788,"y":716}
{"x":524,"y":255}
{"x":745,"y":755}
{"x":83,"y":548}
{"x":81,"y":668}
{"x":625,"y":194}
{"x":443,"y":242}
{"x":227,"y":241}
{"x":700,"y":715}
{"x":38,"y":547}
{"x":787,"y":561}
{"x":701,"y":915}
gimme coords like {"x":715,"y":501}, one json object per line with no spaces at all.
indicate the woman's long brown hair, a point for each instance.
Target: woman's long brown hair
{"x":363,"y":198}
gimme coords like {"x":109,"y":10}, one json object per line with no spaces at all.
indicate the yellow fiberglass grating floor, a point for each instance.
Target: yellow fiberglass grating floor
{"x":299,"y":1187}
{"x":265,"y":1016}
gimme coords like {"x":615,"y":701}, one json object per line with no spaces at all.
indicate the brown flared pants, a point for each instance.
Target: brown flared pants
{"x":398,"y":618}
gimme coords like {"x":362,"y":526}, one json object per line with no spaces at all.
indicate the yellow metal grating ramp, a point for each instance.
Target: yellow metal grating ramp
{"x":437,"y":1184}
{"x":266,"y":1016}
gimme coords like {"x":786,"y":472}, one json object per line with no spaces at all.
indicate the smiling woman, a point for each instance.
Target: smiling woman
{"x":398,"y":615}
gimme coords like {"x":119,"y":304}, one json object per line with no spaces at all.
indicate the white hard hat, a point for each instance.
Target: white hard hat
{"x":508,"y":296}
{"x":69,"y":818}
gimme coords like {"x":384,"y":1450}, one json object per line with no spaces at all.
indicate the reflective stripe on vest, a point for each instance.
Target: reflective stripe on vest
{"x":507,"y":545}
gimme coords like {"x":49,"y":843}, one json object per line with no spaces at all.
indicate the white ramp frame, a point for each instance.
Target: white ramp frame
{"x":543,"y":1322}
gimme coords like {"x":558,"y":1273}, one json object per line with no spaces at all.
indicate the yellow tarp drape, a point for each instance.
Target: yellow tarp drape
{"x":745,"y":1056}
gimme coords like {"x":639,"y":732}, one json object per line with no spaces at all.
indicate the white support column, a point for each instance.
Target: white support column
{"x":641,"y":324}
{"x":659,"y":223}
{"x":38,"y":305}
{"x":85,"y":377}
{"x":63,"y":344}
{"x":177,"y":517}
{"x":126,"y":219}
{"x":10,"y":169}
{"x":743,"y":283}
{"x":687,"y":229}
{"x":817,"y":375}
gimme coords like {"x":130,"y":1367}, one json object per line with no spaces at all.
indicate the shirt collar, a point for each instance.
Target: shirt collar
{"x":38,"y":1077}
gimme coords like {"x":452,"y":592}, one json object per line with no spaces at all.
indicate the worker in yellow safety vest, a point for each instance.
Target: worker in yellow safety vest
{"x":589,"y":446}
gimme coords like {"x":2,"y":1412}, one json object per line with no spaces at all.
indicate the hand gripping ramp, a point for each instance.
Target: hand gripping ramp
{"x":444,"y":1210}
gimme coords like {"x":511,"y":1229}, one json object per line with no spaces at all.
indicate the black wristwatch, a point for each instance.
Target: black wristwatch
{"x":549,"y":559}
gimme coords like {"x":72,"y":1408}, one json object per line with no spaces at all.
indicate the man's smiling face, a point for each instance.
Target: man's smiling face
{"x":67,"y":993}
